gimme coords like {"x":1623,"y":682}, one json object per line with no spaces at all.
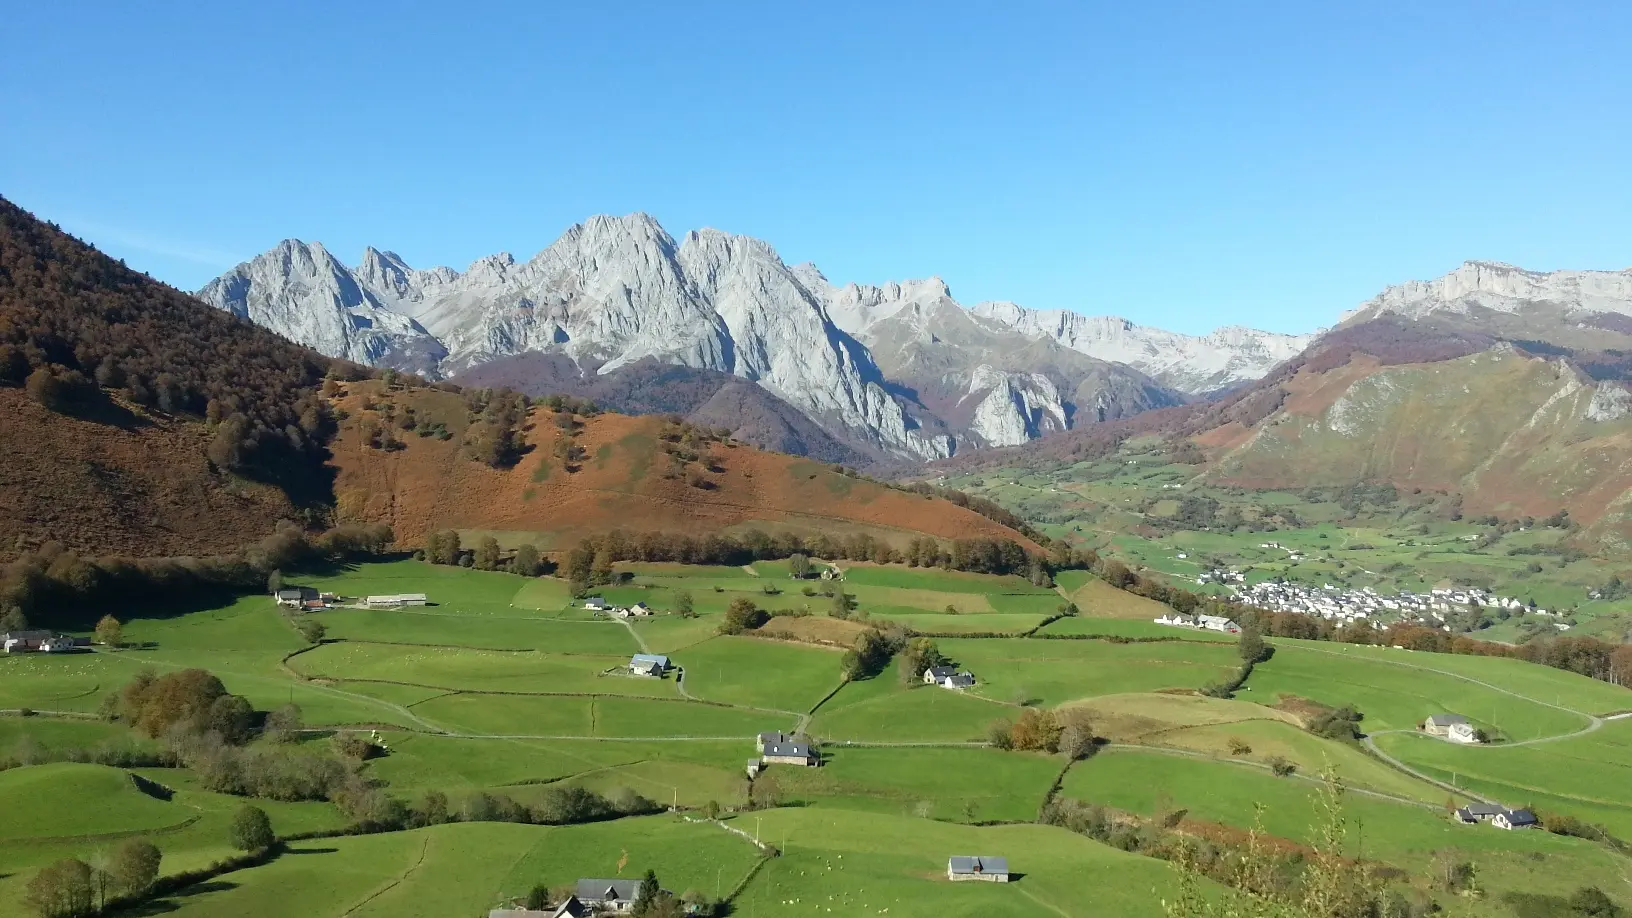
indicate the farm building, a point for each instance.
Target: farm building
{"x":295,"y":597}
{"x":58,"y":643}
{"x":1479,"y":812}
{"x":395,"y":600}
{"x":791,"y":753}
{"x":959,"y":681}
{"x":615,"y":896}
{"x":1176,"y":619}
{"x":990,"y":869}
{"x":648,"y":664}
{"x":765,"y":740}
{"x":1217,"y":623}
{"x":596,"y":604}
{"x":1453,"y":727}
{"x":25,"y":641}
{"x":935,"y":675}
{"x":754,"y":768}
{"x":1515,"y":819}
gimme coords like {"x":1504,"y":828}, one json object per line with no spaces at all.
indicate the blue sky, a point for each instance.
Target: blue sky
{"x":1182,"y":164}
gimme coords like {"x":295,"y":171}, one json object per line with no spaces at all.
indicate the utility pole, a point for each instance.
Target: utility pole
{"x":756,"y":830}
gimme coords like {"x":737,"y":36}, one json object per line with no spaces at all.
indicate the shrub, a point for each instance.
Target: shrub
{"x":252,"y":830}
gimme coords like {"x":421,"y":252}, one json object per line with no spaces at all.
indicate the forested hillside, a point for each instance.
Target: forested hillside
{"x":136,"y":419}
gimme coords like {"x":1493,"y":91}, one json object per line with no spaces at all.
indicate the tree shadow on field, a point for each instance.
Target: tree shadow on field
{"x":293,"y":851}
{"x":174,"y":901}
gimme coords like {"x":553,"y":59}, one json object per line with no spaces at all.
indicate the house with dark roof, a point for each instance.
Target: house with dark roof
{"x":990,"y":869}
{"x":616,"y":896}
{"x":935,"y":675}
{"x":960,"y":681}
{"x":771,"y":739}
{"x":25,"y":641}
{"x":1515,"y":819}
{"x":790,"y":753}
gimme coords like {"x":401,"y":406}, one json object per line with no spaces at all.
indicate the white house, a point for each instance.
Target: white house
{"x":1515,"y":819}
{"x":648,"y":664}
{"x":1218,"y":623}
{"x":596,"y":604}
{"x":57,"y":643}
{"x":935,"y":675}
{"x":1177,"y":619}
{"x":959,"y":681}
{"x":1463,"y":733}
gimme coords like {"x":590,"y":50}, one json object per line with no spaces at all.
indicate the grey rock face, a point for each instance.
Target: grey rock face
{"x":898,"y":369}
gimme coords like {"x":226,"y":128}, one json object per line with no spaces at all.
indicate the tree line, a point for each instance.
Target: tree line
{"x":55,"y":587}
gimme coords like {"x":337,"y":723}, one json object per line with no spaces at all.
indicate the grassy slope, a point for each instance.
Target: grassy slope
{"x":1398,"y":834}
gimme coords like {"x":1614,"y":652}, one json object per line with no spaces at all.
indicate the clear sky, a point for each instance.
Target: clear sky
{"x":1184,"y":165}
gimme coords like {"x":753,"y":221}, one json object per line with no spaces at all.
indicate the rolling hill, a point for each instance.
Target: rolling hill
{"x":632,"y":473}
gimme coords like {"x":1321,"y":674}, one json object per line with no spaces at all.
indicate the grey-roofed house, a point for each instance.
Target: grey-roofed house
{"x":990,"y":869}
{"x":1478,"y":812}
{"x":1515,"y":819}
{"x":610,"y":895}
{"x":772,"y":739}
{"x":648,"y":664}
{"x":791,"y":753}
{"x":935,"y":675}
{"x":961,"y":680}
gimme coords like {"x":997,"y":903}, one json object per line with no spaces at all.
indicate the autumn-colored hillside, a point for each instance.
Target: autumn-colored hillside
{"x":634,"y":473}
{"x":135,"y":419}
{"x":1513,"y":434}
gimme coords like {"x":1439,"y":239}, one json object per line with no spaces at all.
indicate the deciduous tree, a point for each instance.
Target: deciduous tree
{"x":252,"y":829}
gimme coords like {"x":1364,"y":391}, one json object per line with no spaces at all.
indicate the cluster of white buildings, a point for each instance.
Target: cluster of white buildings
{"x":1347,"y":605}
{"x":1202,"y":622}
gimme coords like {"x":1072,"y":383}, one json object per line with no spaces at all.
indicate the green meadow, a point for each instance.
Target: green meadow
{"x":503,"y":686}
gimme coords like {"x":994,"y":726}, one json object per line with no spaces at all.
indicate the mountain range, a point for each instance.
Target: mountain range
{"x":895,"y":370}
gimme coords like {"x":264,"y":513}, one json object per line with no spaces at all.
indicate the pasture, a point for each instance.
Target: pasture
{"x":888,"y":864}
{"x":1054,"y":672}
{"x":503,"y":686}
{"x":1583,"y":776}
{"x":1397,"y":692}
{"x":1402,"y":835}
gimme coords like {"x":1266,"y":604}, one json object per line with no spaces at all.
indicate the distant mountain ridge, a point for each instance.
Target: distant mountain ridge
{"x":615,"y":291}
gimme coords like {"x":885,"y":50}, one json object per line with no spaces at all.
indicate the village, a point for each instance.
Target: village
{"x":1346,"y":605}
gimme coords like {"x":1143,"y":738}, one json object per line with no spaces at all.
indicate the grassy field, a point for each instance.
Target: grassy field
{"x":762,"y":674}
{"x":970,"y":785}
{"x":1584,"y":776}
{"x":1396,"y":693}
{"x":1407,"y":837}
{"x":1054,"y":672}
{"x":502,"y":686}
{"x":883,"y":710}
{"x":435,"y":628}
{"x":884,"y":864}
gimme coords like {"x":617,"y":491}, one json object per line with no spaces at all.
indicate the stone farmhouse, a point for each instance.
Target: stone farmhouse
{"x":990,"y":869}
{"x":782,"y":749}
